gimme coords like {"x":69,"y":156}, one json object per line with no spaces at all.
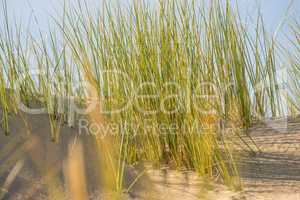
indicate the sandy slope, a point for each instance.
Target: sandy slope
{"x":272,"y":174}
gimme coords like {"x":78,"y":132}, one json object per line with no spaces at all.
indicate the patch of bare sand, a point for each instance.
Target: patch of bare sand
{"x":274,"y":173}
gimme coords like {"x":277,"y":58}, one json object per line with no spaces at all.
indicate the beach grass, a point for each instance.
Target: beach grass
{"x":172,"y":75}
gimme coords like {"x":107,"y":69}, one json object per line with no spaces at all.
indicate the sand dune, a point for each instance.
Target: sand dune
{"x":29,"y":159}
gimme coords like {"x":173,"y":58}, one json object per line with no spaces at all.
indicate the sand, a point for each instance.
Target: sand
{"x":274,"y":174}
{"x":27,"y":161}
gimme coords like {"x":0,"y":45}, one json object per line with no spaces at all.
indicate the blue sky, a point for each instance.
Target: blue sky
{"x":273,"y":11}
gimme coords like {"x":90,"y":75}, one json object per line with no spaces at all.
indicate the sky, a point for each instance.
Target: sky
{"x":273,"y":11}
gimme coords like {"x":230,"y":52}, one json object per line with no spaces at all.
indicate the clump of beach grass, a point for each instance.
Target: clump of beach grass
{"x":175,"y":74}
{"x":176,"y":67}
